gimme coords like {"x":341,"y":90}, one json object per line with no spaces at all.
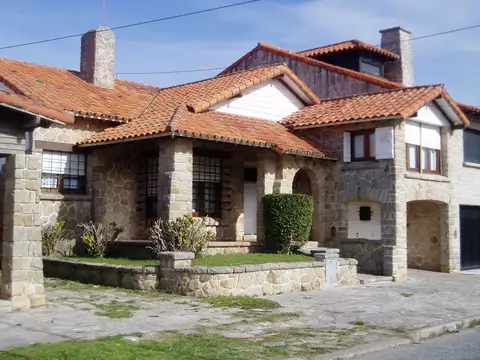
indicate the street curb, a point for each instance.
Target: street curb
{"x":365,"y":349}
{"x":437,"y":330}
{"x":414,"y":336}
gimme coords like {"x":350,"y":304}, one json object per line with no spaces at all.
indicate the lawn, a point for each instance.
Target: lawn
{"x":172,"y":347}
{"x":116,"y":261}
{"x":215,"y":260}
{"x":248,"y":259}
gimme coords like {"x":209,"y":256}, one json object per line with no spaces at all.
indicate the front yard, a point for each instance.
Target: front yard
{"x":215,"y":260}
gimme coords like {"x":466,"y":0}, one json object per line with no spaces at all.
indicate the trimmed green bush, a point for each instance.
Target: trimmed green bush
{"x":288,"y":220}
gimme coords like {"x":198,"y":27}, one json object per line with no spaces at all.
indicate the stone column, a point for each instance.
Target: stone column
{"x":169,"y":262}
{"x":450,"y":240}
{"x":330,"y":257}
{"x":267,"y":167}
{"x":22,"y":266}
{"x":286,"y":171}
{"x":175,"y":178}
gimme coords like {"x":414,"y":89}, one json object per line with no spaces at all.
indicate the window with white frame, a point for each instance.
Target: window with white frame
{"x":63,"y":172}
{"x":423,"y":147}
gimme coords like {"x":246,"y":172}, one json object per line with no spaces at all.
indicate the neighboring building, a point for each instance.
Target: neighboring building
{"x":382,"y":167}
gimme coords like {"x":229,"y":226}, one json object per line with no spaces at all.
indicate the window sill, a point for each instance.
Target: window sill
{"x":471,"y":165}
{"x":363,"y":165}
{"x":65,"y":197}
{"x":427,"y":177}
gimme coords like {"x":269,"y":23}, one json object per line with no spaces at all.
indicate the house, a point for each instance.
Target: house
{"x":104,"y":149}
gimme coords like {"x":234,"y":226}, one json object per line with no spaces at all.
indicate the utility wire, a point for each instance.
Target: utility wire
{"x":221,"y":68}
{"x":132,"y":25}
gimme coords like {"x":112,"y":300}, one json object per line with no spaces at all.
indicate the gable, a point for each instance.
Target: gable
{"x":269,"y":100}
{"x":430,"y":114}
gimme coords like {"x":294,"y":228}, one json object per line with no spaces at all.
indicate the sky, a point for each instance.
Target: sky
{"x":219,"y":38}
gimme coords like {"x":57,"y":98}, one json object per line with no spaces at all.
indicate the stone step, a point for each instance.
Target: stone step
{"x":367,"y":279}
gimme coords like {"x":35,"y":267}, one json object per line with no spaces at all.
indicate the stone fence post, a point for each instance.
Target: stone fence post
{"x":331,"y":258}
{"x":169,"y":262}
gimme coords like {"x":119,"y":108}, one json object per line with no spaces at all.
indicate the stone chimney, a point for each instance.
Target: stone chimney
{"x":98,"y":57}
{"x":397,"y":40}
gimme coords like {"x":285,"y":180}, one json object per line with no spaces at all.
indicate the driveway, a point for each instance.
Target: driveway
{"x":427,"y":298}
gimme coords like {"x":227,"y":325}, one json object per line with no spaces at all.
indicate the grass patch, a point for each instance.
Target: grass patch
{"x":266,"y":316}
{"x":474,"y":323}
{"x":407,"y":295}
{"x":116,"y":309}
{"x":175,"y":347}
{"x":241,"y":302}
{"x":357,"y":323}
{"x":248,"y":259}
{"x":116,"y":261}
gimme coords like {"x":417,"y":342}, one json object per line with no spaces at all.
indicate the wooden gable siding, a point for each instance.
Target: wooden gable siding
{"x":324,"y":83}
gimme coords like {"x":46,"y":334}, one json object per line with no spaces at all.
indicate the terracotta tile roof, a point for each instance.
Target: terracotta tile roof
{"x":180,"y":111}
{"x":64,"y":89}
{"x":369,"y":78}
{"x":24,"y":103}
{"x":469,"y":108}
{"x":348,"y":45}
{"x":401,"y":103}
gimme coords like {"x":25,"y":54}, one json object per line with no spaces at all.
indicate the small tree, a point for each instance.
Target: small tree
{"x":288,"y":220}
{"x":96,"y":237}
{"x":52,"y":235}
{"x":185,"y":233}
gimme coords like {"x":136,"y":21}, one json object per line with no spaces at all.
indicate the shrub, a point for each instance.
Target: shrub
{"x":185,"y":233}
{"x":52,"y":235}
{"x":96,"y":237}
{"x":288,"y":220}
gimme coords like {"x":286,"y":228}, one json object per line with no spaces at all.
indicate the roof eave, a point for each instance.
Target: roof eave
{"x":311,"y":126}
{"x":47,"y":118}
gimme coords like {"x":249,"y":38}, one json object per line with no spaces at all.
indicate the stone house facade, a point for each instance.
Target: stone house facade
{"x":133,"y":153}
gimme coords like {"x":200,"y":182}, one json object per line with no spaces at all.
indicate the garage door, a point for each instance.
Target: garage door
{"x":470,"y":236}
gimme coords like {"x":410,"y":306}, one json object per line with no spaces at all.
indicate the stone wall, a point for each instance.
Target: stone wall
{"x":368,"y":253}
{"x":175,"y":274}
{"x":423,"y":235}
{"x":126,"y":277}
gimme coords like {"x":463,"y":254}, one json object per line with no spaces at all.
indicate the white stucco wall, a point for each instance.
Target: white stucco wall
{"x":270,"y":100}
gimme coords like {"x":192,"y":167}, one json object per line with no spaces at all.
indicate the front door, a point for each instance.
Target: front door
{"x":250,"y":201}
{"x":469,"y":237}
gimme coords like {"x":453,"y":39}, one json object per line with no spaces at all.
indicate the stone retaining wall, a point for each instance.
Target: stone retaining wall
{"x":176,"y":275}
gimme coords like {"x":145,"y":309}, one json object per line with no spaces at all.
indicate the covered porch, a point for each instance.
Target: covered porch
{"x":138,"y":182}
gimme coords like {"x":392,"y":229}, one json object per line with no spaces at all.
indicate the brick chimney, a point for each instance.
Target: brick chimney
{"x":397,"y":40}
{"x":98,"y":57}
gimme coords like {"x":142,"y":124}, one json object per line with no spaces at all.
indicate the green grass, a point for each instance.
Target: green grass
{"x":407,"y":295}
{"x":248,"y":259}
{"x":175,"y":347}
{"x":241,"y":302}
{"x":116,"y":309}
{"x":116,"y":261}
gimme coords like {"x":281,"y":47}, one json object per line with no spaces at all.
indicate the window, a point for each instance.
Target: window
{"x":371,"y":67}
{"x":423,"y":144}
{"x":207,"y":186}
{"x":151,"y":188}
{"x":471,"y":146}
{"x":363,"y":145}
{"x":63,"y":172}
{"x":365,"y":213}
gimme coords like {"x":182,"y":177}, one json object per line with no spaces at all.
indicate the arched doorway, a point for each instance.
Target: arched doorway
{"x":301,"y":183}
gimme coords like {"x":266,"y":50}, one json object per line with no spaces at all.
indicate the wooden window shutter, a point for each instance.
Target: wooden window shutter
{"x":347,"y":150}
{"x":384,"y":143}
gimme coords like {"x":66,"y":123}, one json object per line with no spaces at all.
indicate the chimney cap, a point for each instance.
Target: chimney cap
{"x":395,"y":28}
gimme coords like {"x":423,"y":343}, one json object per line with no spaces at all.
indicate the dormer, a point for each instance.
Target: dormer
{"x":355,"y":55}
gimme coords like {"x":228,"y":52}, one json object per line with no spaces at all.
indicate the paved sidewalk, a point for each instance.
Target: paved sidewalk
{"x":426,"y":299}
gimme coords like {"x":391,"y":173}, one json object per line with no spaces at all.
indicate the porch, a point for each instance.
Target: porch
{"x":136,"y":183}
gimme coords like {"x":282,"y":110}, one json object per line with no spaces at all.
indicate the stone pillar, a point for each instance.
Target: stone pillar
{"x":267,"y":167}
{"x":330,"y":257}
{"x":169,"y":262}
{"x":450,"y":240}
{"x":285,"y":174}
{"x":22,"y":266}
{"x":175,"y":178}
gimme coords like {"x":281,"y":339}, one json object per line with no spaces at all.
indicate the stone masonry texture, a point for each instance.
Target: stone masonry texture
{"x":22,"y":268}
{"x":397,"y":40}
{"x":98,"y":57}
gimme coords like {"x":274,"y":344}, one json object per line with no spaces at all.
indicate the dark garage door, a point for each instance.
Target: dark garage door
{"x":470,"y":236}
